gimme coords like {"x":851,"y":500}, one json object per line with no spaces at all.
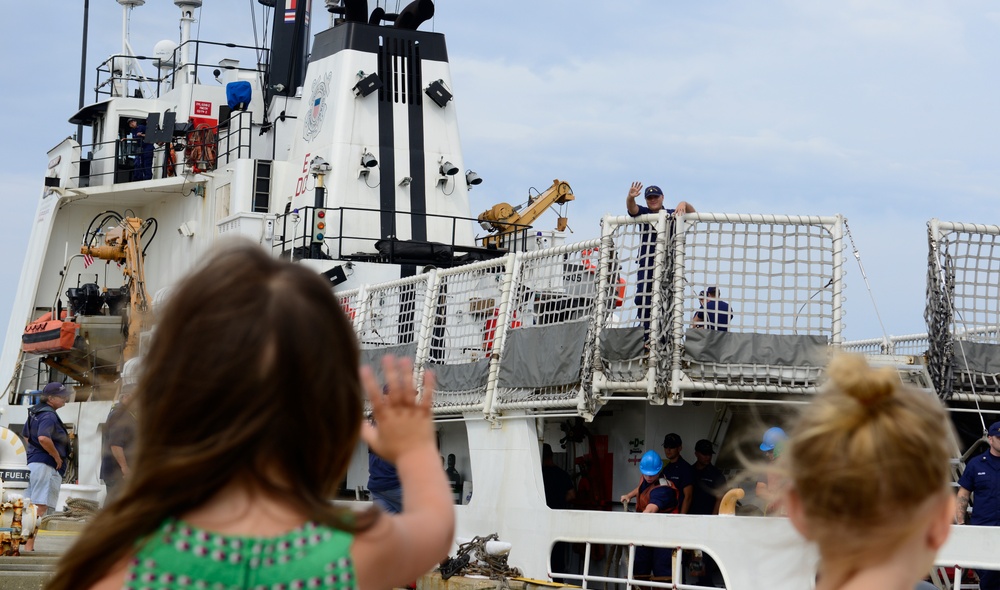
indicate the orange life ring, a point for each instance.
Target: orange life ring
{"x":350,"y":311}
{"x":620,"y":292}
{"x":490,"y":329}
{"x":588,"y":262}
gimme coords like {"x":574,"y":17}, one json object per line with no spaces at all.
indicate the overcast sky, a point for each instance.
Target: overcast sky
{"x":885,"y":111}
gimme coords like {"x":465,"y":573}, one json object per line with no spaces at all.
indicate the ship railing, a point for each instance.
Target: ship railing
{"x":129,"y":160}
{"x":910,"y":344}
{"x":619,"y":565}
{"x":508,"y":332}
{"x":388,"y":318}
{"x":776,"y":309}
{"x":123,"y":161}
{"x":235,"y":137}
{"x":504,"y":335}
{"x":781,"y":278}
{"x":549,"y":327}
{"x":296,"y":230}
{"x":125,"y":75}
{"x":963,"y":317}
{"x":688,"y":567}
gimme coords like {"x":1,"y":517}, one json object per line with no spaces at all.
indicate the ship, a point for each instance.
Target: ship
{"x":346,"y":158}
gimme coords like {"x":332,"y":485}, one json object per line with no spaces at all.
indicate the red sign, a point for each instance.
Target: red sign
{"x":202,"y":107}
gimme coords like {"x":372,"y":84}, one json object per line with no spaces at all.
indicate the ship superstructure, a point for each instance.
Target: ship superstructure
{"x":707,"y":325}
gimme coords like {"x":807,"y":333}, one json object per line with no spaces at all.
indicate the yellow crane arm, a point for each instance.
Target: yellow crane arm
{"x":503,"y":219}
{"x":123,"y":246}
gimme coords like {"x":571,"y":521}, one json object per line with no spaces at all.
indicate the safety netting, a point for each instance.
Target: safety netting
{"x":549,"y":319}
{"x":463,"y":333}
{"x":758,"y":299}
{"x":963,"y":307}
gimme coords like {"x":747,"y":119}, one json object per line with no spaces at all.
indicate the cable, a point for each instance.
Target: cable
{"x":857,"y":256}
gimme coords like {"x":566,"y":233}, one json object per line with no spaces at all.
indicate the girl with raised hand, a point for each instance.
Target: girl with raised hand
{"x":249,"y":409}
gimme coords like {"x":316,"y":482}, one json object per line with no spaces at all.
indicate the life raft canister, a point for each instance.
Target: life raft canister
{"x":590,"y":265}
{"x":46,"y":335}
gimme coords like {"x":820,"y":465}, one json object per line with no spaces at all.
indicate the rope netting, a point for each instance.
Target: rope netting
{"x":963,"y":307}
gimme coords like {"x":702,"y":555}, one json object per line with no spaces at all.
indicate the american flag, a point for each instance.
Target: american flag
{"x":87,"y":260}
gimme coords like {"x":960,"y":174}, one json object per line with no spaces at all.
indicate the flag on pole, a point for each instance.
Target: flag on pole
{"x":87,"y":260}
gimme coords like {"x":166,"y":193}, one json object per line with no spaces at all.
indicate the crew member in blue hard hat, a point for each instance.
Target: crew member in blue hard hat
{"x":768,"y":486}
{"x":654,"y":493}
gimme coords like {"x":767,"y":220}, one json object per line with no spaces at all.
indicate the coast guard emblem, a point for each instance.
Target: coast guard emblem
{"x":316,"y":107}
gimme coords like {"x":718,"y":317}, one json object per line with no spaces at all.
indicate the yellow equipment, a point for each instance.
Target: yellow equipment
{"x":123,"y":245}
{"x":504,"y":220}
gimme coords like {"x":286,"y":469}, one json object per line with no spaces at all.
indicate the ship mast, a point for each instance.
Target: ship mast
{"x":130,"y":69}
{"x":187,"y":17}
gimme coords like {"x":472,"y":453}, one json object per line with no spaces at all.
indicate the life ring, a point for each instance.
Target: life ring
{"x":588,"y":262}
{"x":350,"y":311}
{"x":170,"y":161}
{"x":620,"y":292}
{"x":490,"y":329}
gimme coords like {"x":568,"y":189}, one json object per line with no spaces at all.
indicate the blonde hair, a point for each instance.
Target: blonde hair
{"x":865,"y":458}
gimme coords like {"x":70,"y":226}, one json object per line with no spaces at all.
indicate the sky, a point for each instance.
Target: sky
{"x":884,"y":111}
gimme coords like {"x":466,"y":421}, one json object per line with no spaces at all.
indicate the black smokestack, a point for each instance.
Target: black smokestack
{"x":356,"y":11}
{"x":415,"y":14}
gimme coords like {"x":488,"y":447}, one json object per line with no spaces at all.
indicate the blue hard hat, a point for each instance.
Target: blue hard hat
{"x":651,"y":464}
{"x":772,"y":437}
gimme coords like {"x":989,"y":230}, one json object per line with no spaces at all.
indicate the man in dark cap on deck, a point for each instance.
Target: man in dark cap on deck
{"x":678,"y":471}
{"x":644,"y":277}
{"x":48,"y":449}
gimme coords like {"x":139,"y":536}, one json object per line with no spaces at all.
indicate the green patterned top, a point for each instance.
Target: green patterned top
{"x":179,"y":555}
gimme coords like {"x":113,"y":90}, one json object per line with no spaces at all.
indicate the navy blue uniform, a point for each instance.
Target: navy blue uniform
{"x":644,"y":276}
{"x":681,"y":474}
{"x":714,"y":315}
{"x":982,"y":478}
{"x":43,"y":421}
{"x":383,"y":483}
{"x":708,"y":486}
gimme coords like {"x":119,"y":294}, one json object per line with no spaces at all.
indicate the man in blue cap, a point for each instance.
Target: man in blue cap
{"x":981,"y":482}
{"x":654,"y":494}
{"x":48,"y":448}
{"x":644,"y":278}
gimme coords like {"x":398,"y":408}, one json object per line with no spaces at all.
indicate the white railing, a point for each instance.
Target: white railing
{"x":559,"y":330}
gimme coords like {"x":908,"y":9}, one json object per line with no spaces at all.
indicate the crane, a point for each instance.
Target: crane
{"x":503,"y":219}
{"x":122,"y":244}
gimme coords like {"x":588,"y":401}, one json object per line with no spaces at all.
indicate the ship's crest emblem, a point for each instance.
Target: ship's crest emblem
{"x":316,"y":108}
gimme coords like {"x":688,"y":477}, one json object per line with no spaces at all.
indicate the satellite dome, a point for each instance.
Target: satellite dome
{"x":163,"y":54}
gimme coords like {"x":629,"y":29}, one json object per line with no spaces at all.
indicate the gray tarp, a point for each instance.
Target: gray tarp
{"x":981,"y":358}
{"x":461,"y":377}
{"x":543,"y":356}
{"x":736,"y":348}
{"x":622,"y":344}
{"x":373,"y":356}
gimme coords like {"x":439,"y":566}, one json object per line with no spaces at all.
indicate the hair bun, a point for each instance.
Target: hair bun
{"x":851,"y":374}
